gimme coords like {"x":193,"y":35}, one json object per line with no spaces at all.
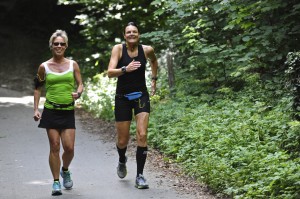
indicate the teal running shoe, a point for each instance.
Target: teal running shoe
{"x":67,"y":181}
{"x":141,"y":182}
{"x":56,"y":188}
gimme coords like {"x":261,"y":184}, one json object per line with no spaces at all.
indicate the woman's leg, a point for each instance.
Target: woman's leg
{"x":122,"y":141}
{"x":68,"y":142}
{"x":142,"y":120}
{"x":123,"y":133}
{"x":54,"y":159}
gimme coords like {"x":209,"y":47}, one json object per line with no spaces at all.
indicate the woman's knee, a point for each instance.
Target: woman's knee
{"x":69,"y":149}
{"x":54,"y":147}
{"x":122,"y":141}
{"x":142,"y":136}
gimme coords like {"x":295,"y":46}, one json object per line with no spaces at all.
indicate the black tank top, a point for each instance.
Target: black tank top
{"x":133,"y":81}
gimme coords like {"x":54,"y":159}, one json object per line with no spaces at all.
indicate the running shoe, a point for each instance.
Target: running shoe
{"x":56,"y":188}
{"x":67,"y":181}
{"x":121,"y":169}
{"x":141,"y":182}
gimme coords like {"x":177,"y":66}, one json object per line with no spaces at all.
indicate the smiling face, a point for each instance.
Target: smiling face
{"x":58,"y":46}
{"x":131,"y":34}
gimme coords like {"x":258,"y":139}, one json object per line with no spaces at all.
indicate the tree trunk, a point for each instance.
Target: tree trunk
{"x":171,"y":75}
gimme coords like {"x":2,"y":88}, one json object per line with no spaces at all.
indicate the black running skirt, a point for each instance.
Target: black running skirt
{"x":57,"y":119}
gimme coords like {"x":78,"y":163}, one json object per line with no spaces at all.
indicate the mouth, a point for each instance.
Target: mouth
{"x":132,"y":38}
{"x":58,"y":51}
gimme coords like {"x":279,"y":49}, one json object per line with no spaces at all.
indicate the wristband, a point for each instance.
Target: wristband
{"x":154,"y":78}
{"x":79,"y":94}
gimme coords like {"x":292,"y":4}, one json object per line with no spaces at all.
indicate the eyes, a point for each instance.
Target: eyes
{"x":59,"y":43}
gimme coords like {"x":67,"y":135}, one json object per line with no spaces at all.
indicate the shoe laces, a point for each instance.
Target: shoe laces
{"x":56,"y":185}
{"x":141,"y":179}
{"x":67,"y":175}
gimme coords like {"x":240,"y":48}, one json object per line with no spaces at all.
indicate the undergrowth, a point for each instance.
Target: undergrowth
{"x":242,"y":144}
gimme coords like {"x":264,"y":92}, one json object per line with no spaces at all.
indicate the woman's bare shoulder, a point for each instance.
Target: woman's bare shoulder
{"x":147,"y":48}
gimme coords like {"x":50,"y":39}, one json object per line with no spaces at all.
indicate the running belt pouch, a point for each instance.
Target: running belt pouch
{"x":134,"y":95}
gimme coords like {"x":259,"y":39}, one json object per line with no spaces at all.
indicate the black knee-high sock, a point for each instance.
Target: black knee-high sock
{"x":122,"y":153}
{"x":141,"y":155}
{"x":64,"y":169}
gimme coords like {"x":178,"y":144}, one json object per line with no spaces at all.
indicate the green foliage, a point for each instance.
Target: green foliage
{"x":227,"y":40}
{"x":293,"y":80}
{"x":103,"y":23}
{"x":98,"y":96}
{"x":236,"y":144}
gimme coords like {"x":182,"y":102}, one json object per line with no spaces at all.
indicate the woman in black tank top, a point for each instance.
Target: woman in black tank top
{"x":128,"y":64}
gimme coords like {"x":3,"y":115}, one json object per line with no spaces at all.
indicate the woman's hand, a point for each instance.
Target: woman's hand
{"x":76,"y":95}
{"x":153,"y":87}
{"x":37,"y":115}
{"x":132,"y":66}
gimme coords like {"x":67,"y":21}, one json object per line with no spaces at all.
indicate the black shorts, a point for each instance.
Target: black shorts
{"x":124,"y":107}
{"x":57,"y":119}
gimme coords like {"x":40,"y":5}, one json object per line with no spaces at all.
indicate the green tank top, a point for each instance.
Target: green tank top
{"x":59,"y":87}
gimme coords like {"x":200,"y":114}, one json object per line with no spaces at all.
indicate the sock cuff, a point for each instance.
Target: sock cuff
{"x":121,"y":149}
{"x":141,"y":147}
{"x":64,"y":169}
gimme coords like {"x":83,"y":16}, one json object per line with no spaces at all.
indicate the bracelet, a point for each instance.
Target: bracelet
{"x":154,"y":78}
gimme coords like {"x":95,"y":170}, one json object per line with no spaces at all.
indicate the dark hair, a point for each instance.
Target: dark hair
{"x":131,"y":24}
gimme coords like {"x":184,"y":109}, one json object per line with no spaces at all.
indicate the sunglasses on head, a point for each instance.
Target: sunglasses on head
{"x":59,"y":43}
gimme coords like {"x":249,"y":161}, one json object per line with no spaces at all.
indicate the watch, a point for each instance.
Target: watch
{"x":123,"y":69}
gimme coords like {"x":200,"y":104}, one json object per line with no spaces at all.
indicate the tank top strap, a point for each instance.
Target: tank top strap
{"x":124,"y":50}
{"x":71,"y":67}
{"x":47,"y":70}
{"x":141,"y":53}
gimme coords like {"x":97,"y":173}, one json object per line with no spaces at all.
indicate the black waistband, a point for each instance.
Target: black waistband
{"x":55,"y":105}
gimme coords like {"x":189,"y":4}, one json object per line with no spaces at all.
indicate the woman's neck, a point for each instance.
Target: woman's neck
{"x":58,"y":59}
{"x":131,"y":47}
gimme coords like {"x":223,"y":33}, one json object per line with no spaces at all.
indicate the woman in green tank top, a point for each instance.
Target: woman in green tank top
{"x":62,"y":80}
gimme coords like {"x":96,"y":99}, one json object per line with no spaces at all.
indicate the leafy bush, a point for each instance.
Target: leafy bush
{"x":236,"y":145}
{"x":293,"y":80}
{"x":98,"y":96}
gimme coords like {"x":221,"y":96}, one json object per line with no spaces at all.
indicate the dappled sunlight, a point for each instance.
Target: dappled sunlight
{"x":25,"y":100}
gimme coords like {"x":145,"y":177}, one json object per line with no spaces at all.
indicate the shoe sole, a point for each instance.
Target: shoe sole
{"x":68,"y":188}
{"x":56,"y":193}
{"x":141,"y":187}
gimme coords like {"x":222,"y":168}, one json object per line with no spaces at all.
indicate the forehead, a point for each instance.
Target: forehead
{"x":58,"y":39}
{"x":131,"y":28}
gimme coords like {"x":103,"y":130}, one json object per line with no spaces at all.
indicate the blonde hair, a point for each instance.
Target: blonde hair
{"x":58,"y":33}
